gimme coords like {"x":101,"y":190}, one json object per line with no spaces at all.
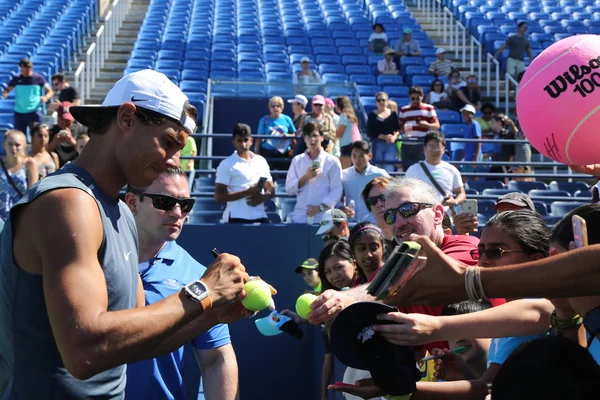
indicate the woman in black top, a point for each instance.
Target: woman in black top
{"x":383,"y":129}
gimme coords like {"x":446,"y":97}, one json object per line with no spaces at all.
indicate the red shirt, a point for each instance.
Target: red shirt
{"x":410,"y":114}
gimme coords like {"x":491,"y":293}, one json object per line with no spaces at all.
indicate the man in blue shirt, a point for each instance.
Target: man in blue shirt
{"x":28,"y":88}
{"x":473,"y":131}
{"x":160,"y":211}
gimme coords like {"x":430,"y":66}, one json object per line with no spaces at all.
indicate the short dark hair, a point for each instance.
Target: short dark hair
{"x":362,"y":145}
{"x":434,"y":135}
{"x":60,"y":77}
{"x":310,"y":127}
{"x":416,"y":90}
{"x":488,"y":106}
{"x":466,"y":307}
{"x":341,"y":249}
{"x":446,"y":222}
{"x":562,"y":233}
{"x":25,"y":62}
{"x":521,"y":24}
{"x":242,"y":130}
{"x":169,"y":171}
{"x":527,"y":228}
{"x":192,"y":112}
{"x":100,"y":122}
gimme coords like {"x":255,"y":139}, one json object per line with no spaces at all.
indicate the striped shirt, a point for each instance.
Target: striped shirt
{"x":409,"y":116}
{"x":440,"y":68}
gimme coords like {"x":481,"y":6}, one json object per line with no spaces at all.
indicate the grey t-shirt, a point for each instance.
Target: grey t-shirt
{"x":517,"y":46}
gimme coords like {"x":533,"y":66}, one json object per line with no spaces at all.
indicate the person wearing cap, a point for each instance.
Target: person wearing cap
{"x":307,"y":81}
{"x":469,"y":94}
{"x":472,"y":151}
{"x":163,"y":265}
{"x":298,"y":103}
{"x":275,"y":124}
{"x":77,"y":273}
{"x":315,"y":178}
{"x":441,"y":66}
{"x":378,"y":40}
{"x":408,"y":46}
{"x":387,"y":66}
{"x":334,"y":224}
{"x":237,"y":181}
{"x":64,"y":134}
{"x":330,"y":109}
{"x":28,"y":86}
{"x":416,"y":119}
{"x":325,"y":121}
{"x":310,"y":274}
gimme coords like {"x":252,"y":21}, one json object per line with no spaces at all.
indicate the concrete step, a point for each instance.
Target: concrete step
{"x":114,"y":66}
{"x":110,"y":75}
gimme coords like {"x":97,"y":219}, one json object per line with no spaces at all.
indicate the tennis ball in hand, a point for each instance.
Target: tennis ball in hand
{"x":258,"y":295}
{"x":303,"y":304}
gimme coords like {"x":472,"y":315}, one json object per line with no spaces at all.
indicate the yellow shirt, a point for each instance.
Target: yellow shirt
{"x":188,"y":150}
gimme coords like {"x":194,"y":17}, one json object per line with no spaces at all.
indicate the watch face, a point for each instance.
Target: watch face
{"x":197,"y":289}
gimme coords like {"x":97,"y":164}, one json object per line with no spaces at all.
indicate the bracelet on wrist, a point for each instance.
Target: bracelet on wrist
{"x":561,"y":324}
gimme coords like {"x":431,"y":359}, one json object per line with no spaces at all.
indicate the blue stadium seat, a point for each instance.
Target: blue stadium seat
{"x":448,"y":117}
{"x":388,"y":80}
{"x":363,"y":79}
{"x":424,"y":81}
{"x":496,"y":192}
{"x":570,"y":187}
{"x":560,"y":208}
{"x":331,"y":69}
{"x":396,"y":91}
{"x":583,"y":193}
{"x":527,"y":186}
{"x":548,"y":193}
{"x":368,"y":90}
{"x":541,"y":207}
{"x":358,"y":69}
{"x":353,"y":59}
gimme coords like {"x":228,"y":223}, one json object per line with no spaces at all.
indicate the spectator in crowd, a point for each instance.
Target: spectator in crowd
{"x":347,"y":131}
{"x":486,"y":120}
{"x":387,"y":66}
{"x":383,"y":128}
{"x":307,"y":81}
{"x":310,"y":275}
{"x":416,"y":119}
{"x":65,"y":91}
{"x":514,"y":201}
{"x":163,"y":264}
{"x":392,"y":105}
{"x":441,"y":66}
{"x":18,"y":173}
{"x":408,"y":46}
{"x":472,"y":151}
{"x":82,"y":140}
{"x":490,"y":151}
{"x":368,"y":247}
{"x":277,"y":125}
{"x":517,"y":45}
{"x":298,"y":103}
{"x":437,"y":97}
{"x":325,"y":121}
{"x":469,"y":94}
{"x":373,"y":196}
{"x":47,"y":162}
{"x":378,"y":40}
{"x":334,"y":224}
{"x":330,"y":109}
{"x":28,"y":86}
{"x":438,"y":173}
{"x":356,"y":178}
{"x":503,"y":128}
{"x":522,"y":154}
{"x":455,"y":82}
{"x":190,"y":149}
{"x":238,"y":178}
{"x":63,"y":135}
{"x":314,"y":177}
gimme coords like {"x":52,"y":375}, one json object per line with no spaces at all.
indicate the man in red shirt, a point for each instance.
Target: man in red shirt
{"x":416,"y":119}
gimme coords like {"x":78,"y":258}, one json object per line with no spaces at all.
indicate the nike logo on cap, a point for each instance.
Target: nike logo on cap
{"x":134,"y":99}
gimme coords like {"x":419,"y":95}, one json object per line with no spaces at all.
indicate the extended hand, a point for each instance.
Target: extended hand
{"x":451,"y":367}
{"x":364,"y":388}
{"x":465,"y":223}
{"x":225,"y":278}
{"x":409,"y":329}
{"x":255,"y":200}
{"x":328,"y":305}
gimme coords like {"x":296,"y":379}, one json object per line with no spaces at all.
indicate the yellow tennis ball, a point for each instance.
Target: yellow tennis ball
{"x":303,"y":304}
{"x":258,"y":295}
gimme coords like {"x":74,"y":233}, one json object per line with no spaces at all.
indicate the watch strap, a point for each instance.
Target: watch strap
{"x":206,"y":302}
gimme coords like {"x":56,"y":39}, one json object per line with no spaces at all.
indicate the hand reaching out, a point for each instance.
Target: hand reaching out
{"x":451,"y":367}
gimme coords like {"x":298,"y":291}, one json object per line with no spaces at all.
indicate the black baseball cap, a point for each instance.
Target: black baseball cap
{"x":516,"y":198}
{"x":355,"y":344}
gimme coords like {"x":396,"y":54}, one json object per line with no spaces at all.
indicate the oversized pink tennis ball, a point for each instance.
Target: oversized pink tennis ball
{"x":558,"y":102}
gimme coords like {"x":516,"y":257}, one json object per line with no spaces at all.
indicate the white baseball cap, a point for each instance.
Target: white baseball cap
{"x":300,"y":99}
{"x":146,"y":89}
{"x":440,"y":50}
{"x":330,"y":217}
{"x":305,"y":59}
{"x":469,"y":108}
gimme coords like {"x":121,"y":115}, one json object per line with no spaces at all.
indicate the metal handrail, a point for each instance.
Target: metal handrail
{"x":508,"y":79}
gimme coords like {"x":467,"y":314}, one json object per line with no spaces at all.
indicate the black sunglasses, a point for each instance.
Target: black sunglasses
{"x":381,"y":99}
{"x":493,"y":253}
{"x":406,"y":210}
{"x":167,"y":203}
{"x":374,"y":199}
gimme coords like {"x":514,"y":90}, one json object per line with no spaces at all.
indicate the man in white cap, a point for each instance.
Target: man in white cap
{"x":334,"y":225}
{"x":441,"y":66}
{"x":298,"y":103}
{"x":307,"y":81}
{"x":70,"y":287}
{"x":472,"y":151}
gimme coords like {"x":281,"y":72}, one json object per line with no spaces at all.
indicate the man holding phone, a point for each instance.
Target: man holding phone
{"x":244,"y":181}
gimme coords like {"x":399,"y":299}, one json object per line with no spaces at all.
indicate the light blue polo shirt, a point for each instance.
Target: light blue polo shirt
{"x":501,"y":348}
{"x":162,"y":377}
{"x":354,"y":183}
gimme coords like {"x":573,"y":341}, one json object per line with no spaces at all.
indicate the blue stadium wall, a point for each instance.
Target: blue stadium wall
{"x":279,"y":367}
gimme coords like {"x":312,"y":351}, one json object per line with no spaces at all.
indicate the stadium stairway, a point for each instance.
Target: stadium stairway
{"x":431,"y":29}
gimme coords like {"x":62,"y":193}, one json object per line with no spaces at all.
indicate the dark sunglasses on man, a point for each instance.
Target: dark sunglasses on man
{"x":493,"y":253}
{"x":167,"y":203}
{"x":406,"y":210}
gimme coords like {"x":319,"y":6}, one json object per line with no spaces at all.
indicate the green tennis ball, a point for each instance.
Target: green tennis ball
{"x":258,"y":295}
{"x":303,"y":304}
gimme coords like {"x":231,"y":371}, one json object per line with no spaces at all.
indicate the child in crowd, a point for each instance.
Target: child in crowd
{"x":310,"y":275}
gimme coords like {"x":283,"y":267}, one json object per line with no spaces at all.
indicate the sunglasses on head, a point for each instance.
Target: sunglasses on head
{"x":406,"y":210}
{"x":375,"y":199}
{"x":167,"y":203}
{"x":493,"y":253}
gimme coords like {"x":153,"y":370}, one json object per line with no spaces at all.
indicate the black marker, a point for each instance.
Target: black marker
{"x":215,"y":253}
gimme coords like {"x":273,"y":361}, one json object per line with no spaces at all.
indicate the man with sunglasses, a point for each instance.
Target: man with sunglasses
{"x":244,"y":181}
{"x":165,"y":267}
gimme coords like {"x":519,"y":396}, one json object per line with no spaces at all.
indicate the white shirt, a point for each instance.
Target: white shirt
{"x":446,"y":175}
{"x":239,"y":174}
{"x":354,"y":183}
{"x":325,"y":188}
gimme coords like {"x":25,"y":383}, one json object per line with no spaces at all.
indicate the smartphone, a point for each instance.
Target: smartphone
{"x":316,"y":164}
{"x":261,"y":182}
{"x":469,"y":206}
{"x":580,"y":236}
